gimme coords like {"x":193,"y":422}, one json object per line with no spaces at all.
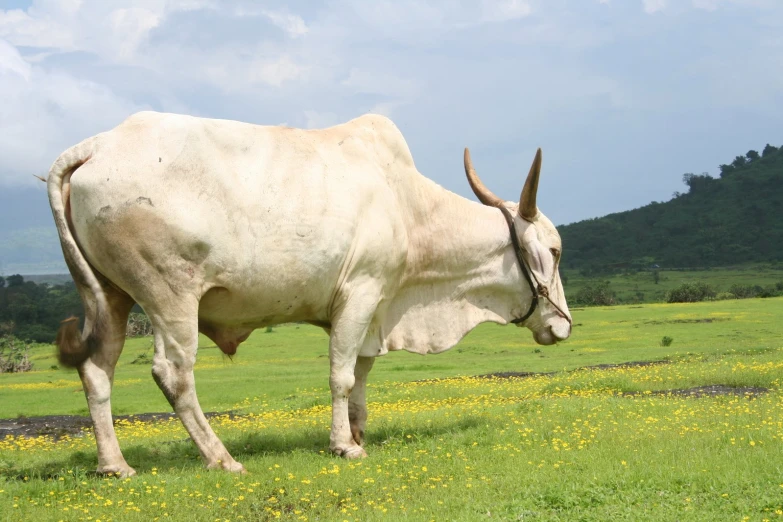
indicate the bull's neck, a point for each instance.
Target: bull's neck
{"x":457,"y":242}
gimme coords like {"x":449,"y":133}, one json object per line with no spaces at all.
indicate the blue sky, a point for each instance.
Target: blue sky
{"x":624,"y":96}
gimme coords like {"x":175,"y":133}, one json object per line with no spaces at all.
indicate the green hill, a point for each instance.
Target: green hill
{"x":731,"y":220}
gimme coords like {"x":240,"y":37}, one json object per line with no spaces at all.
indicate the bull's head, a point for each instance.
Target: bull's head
{"x":541,"y":249}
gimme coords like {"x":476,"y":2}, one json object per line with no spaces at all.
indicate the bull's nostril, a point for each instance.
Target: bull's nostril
{"x":553,"y":335}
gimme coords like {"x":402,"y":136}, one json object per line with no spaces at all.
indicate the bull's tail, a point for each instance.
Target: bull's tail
{"x":73,"y":349}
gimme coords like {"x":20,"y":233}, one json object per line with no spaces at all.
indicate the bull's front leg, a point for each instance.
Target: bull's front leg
{"x":348,"y":332}
{"x":357,"y":402}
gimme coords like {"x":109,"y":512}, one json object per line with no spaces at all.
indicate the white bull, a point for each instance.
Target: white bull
{"x":223,"y":227}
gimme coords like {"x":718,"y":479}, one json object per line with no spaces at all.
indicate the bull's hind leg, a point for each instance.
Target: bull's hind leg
{"x":176,"y":342}
{"x":97,"y":374}
{"x":357,"y":402}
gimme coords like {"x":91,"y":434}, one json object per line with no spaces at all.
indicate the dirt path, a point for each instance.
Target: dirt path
{"x":632,"y":364}
{"x":58,"y":426}
{"x":712,"y":390}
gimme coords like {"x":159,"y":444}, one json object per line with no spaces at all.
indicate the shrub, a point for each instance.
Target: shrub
{"x":666,"y":341}
{"x":638,"y":297}
{"x":722,"y":296}
{"x":142,"y":358}
{"x":744,"y":291}
{"x":595,"y":294}
{"x":14,"y":355}
{"x":7,"y":328}
{"x":690,"y":293}
{"x":139,"y":325}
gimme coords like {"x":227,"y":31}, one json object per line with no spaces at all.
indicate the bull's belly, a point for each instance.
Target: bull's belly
{"x":229,"y":316}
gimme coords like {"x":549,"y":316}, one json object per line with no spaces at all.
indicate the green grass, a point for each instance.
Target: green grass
{"x":635,"y":287}
{"x":594,"y":444}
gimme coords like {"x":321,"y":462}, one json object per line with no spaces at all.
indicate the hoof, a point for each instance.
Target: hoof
{"x":121,"y":471}
{"x":351,"y":452}
{"x":231,"y":466}
{"x":237,"y":468}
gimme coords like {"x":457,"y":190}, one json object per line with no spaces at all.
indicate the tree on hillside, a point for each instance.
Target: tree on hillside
{"x":752,"y":155}
{"x":768,"y":150}
{"x":739,"y":162}
{"x":15,"y":280}
{"x":726,"y":169}
{"x":697,"y":181}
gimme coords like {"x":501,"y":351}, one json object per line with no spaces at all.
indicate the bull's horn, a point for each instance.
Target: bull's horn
{"x":481,"y":192}
{"x":527,"y":201}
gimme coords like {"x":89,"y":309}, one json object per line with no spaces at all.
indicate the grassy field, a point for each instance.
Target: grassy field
{"x":637,"y":287}
{"x":593,"y":444}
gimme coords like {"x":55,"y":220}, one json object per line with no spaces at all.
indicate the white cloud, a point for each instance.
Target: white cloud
{"x":134,"y":24}
{"x":235,"y":71}
{"x":25,"y":28}
{"x":275,"y":72}
{"x":709,"y":5}
{"x":114,"y":33}
{"x":653,"y":6}
{"x":501,"y":11}
{"x":11,"y":62}
{"x":384,"y":108}
{"x":319,"y":120}
{"x":293,"y":25}
{"x":173,"y":6}
{"x":374,"y":81}
{"x":712,"y":5}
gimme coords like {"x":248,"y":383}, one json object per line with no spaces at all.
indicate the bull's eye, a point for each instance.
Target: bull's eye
{"x":555,"y":253}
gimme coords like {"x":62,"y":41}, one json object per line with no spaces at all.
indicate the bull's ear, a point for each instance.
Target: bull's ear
{"x":527,"y":200}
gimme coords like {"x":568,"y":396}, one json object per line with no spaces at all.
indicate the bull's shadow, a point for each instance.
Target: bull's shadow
{"x":181,"y":454}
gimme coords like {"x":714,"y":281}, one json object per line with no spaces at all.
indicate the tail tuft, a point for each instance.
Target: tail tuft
{"x":71,"y":351}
